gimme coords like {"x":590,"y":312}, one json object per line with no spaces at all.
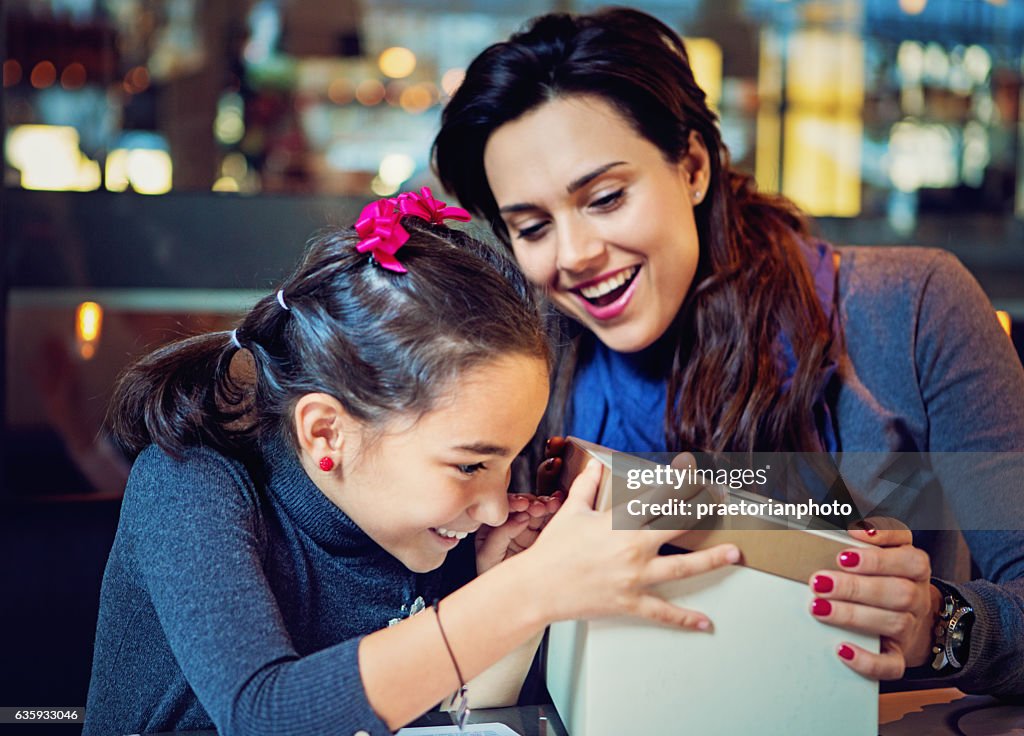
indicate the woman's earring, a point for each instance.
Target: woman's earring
{"x":696,"y":195}
{"x":326,"y":464}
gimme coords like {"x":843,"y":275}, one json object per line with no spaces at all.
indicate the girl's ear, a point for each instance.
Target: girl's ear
{"x":321,"y":424}
{"x":696,"y":167}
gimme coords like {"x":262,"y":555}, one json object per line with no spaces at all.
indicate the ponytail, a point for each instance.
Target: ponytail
{"x":179,"y":395}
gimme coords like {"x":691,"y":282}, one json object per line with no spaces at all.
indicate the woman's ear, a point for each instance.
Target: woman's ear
{"x":696,"y":167}
{"x":321,"y":425}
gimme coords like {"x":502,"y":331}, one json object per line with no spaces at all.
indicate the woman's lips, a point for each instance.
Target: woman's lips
{"x":618,"y":304}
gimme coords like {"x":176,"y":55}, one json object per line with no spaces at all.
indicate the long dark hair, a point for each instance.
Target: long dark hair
{"x":725,"y":391}
{"x":382,"y":343}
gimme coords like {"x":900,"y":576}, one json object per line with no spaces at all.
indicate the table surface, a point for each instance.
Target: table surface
{"x":947,"y":711}
{"x":939,"y":712}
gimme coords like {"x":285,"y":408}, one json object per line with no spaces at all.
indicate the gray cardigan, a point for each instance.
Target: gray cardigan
{"x":930,"y":370}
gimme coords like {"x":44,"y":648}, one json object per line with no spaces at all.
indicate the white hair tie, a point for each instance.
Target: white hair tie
{"x":234,"y":339}
{"x":280,"y":300}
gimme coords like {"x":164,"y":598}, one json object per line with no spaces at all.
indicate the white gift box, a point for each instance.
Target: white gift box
{"x":767,"y":668}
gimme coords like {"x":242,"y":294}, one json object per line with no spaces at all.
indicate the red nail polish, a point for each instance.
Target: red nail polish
{"x":822,"y":584}
{"x":846,"y":652}
{"x":849,"y":559}
{"x":821,"y":607}
{"x":868,"y":528}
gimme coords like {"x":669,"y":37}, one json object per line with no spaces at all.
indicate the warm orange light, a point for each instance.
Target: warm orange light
{"x":416,"y":99}
{"x":340,"y":91}
{"x":44,"y":74}
{"x":88,"y":325}
{"x":136,"y":80}
{"x":12,"y":72}
{"x":73,"y":76}
{"x":370,"y":92}
{"x":913,"y":7}
{"x":397,"y":62}
{"x":1004,"y":320}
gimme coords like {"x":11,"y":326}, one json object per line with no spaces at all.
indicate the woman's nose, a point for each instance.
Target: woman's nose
{"x":581,"y":250}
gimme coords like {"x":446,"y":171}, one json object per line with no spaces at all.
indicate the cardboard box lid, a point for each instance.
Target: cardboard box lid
{"x":768,"y":544}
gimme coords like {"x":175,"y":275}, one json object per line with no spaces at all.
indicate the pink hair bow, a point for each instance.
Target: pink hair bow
{"x":424,"y":206}
{"x":381,"y":233}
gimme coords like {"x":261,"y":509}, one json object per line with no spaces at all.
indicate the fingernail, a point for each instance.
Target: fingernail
{"x":822,"y":584}
{"x":867,"y":527}
{"x":849,"y":559}
{"x":548,"y":464}
{"x":733,"y":555}
{"x":846,"y":652}
{"x":704,"y":625}
{"x":821,"y":607}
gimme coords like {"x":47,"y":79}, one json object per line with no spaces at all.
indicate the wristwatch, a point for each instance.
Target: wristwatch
{"x":952,"y":643}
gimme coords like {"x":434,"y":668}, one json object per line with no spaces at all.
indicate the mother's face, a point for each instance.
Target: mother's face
{"x":598,"y":217}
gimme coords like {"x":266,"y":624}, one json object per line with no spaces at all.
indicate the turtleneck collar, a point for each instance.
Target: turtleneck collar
{"x":309,"y":508}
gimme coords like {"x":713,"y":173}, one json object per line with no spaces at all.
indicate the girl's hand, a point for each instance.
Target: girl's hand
{"x":527,"y":516}
{"x":883,"y":590}
{"x":585,"y":569}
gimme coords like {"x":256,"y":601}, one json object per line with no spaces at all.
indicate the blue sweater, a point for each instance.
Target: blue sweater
{"x":927,"y":369}
{"x":238,"y":602}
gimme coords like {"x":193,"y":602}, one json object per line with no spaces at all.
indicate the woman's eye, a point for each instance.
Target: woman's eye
{"x":532,"y":232}
{"x":470,"y":469}
{"x":607,"y":201}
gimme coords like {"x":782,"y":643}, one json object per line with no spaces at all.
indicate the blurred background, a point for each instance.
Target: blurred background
{"x":165,"y":161}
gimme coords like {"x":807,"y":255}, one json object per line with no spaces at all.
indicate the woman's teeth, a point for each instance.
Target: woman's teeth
{"x":609,"y":285}
{"x":450,"y":534}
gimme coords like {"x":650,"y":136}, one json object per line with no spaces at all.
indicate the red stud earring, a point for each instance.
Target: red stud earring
{"x":326,"y":464}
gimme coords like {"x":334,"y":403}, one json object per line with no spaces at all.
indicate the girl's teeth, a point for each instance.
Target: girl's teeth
{"x":608,"y":285}
{"x":451,"y":534}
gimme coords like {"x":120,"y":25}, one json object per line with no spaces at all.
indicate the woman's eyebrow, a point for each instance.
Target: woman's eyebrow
{"x":577,"y":184}
{"x":574,"y":186}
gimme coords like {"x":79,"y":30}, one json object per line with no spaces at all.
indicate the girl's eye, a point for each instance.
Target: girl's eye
{"x":470,"y":469}
{"x":608,"y":201}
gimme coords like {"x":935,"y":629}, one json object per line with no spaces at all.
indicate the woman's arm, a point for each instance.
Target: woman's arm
{"x":971,"y":387}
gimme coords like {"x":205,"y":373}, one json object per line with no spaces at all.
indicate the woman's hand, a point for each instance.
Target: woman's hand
{"x":527,"y":516}
{"x":885,"y":590}
{"x":585,"y":569}
{"x":527,"y":513}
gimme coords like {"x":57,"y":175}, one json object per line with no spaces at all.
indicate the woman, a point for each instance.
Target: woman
{"x":590,"y":149}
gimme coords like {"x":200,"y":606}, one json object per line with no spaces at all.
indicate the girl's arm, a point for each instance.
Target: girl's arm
{"x":578,"y":568}
{"x":191,"y":543}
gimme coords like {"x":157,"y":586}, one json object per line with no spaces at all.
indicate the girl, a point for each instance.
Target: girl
{"x":588,"y":146}
{"x":304,"y":484}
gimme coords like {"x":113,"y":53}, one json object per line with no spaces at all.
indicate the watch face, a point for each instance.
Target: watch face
{"x":952,"y":633}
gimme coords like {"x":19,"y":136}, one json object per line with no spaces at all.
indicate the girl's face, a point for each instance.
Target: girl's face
{"x":598,"y":217}
{"x":424,"y":485}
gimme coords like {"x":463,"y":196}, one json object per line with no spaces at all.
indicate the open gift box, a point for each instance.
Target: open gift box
{"x":767,"y":668}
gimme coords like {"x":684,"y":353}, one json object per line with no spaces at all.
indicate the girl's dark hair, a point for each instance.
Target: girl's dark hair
{"x":725,"y":389}
{"x":383,"y":343}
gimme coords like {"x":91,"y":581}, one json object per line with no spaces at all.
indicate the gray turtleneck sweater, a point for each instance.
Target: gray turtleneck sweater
{"x":238,"y":603}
